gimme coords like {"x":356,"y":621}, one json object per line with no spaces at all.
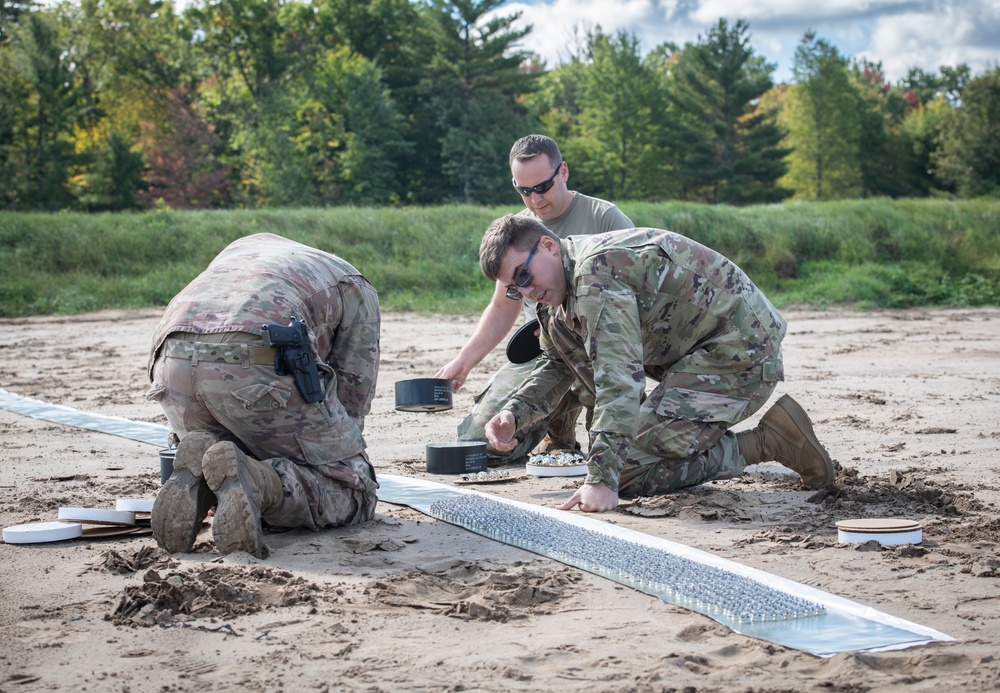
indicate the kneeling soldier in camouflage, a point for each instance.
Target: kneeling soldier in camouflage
{"x":618,"y":307}
{"x":265,"y":365}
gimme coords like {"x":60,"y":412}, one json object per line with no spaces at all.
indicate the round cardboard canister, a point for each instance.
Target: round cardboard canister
{"x":523,"y":345}
{"x":167,"y":463}
{"x":886,"y":531}
{"x":423,"y":394}
{"x":456,"y":458}
{"x":40,"y":532}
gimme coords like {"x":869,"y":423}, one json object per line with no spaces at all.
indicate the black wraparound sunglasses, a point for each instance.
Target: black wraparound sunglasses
{"x":541,"y":188}
{"x":522,"y":277}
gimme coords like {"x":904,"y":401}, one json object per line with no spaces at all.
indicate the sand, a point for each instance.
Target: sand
{"x":908,"y":404}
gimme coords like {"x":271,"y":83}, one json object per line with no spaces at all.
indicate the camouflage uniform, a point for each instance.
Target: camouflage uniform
{"x":648,"y":303}
{"x":584,"y":216}
{"x":210,"y":372}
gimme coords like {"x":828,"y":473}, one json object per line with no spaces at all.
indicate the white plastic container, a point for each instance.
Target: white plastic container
{"x":886,"y":531}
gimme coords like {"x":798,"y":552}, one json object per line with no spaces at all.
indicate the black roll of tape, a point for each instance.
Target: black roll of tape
{"x":423,"y":394}
{"x":456,"y":458}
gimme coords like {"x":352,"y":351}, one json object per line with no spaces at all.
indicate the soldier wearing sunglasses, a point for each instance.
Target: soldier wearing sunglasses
{"x":540,"y":177}
{"x":618,"y":308}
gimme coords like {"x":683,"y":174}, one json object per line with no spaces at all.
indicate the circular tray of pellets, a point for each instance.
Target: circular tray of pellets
{"x":560,"y":463}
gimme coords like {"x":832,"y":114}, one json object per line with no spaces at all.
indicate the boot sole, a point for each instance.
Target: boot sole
{"x":236,"y":525}
{"x":800,"y":418}
{"x":183,"y":502}
{"x":179,"y":510}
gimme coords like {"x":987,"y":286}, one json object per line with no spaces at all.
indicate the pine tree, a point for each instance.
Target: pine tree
{"x":730,"y":147}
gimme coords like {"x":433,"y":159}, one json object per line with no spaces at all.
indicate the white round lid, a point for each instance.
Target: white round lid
{"x":38,"y":532}
{"x":878,"y":524}
{"x":135,"y":505}
{"x":97,"y":516}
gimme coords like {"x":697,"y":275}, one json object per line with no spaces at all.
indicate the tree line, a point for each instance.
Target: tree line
{"x":130,"y":104}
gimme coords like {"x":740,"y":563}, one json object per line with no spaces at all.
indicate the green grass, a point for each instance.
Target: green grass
{"x":864,"y":254}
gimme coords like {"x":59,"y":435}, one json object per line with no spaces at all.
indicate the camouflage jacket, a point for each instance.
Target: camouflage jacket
{"x":642,"y":302}
{"x":267,"y":278}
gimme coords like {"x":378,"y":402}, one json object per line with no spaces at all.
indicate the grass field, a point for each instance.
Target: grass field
{"x":864,"y":254}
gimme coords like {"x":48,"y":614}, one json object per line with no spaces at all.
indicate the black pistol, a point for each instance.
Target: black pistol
{"x":293,"y":355}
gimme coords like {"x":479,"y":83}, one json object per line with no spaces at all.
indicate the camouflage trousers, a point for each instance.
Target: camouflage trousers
{"x":683,"y":436}
{"x":317,"y":449}
{"x":561,"y":423}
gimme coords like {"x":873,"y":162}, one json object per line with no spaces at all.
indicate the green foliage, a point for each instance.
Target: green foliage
{"x":40,"y":152}
{"x":622,"y":114}
{"x":474,"y":82}
{"x":866,"y":253}
{"x":822,"y":118}
{"x":115,"y":178}
{"x":887,"y":156}
{"x":733,"y":147}
{"x":292,"y":103}
{"x":969,"y":155}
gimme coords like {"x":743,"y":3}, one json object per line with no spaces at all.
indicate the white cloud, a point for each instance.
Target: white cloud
{"x":899,"y":33}
{"x":556,"y":22}
{"x":954,"y":34}
{"x":792,"y":10}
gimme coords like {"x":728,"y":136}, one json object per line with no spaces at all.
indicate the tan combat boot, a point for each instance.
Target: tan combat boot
{"x":185,"y":499}
{"x":786,"y":435}
{"x":246,"y":489}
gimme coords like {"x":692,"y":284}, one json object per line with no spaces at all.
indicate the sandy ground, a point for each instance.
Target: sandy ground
{"x":907,"y":402}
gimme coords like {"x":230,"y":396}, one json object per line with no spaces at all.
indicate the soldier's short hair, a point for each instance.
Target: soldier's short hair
{"x":509,"y":231}
{"x":530,"y":146}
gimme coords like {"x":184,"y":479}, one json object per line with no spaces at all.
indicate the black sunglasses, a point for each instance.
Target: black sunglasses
{"x":541,"y":188}
{"x":522,"y":277}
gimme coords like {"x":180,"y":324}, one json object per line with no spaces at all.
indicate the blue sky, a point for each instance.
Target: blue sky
{"x":899,"y":33}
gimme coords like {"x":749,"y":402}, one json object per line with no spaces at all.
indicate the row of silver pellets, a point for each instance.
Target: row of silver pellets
{"x":681,"y":581}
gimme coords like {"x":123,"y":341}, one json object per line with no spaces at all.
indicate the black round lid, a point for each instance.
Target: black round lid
{"x":524,"y":346}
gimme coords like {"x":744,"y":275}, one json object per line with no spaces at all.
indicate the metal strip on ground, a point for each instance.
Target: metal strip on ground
{"x":845,"y":626}
{"x":151,"y":433}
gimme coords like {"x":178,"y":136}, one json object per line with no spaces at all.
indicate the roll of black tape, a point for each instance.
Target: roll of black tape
{"x":456,"y":458}
{"x":423,"y":394}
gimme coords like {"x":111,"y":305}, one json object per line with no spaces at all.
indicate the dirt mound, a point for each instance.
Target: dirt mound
{"x":213,"y":592}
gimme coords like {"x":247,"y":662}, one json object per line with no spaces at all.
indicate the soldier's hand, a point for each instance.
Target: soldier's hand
{"x":455,"y":372}
{"x":500,"y":431}
{"x":592,"y":498}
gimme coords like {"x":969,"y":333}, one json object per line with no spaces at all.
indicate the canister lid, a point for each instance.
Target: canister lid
{"x":39,"y":532}
{"x":878,"y":524}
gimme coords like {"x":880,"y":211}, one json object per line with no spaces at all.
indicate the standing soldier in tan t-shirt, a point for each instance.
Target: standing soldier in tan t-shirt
{"x":540,"y":177}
